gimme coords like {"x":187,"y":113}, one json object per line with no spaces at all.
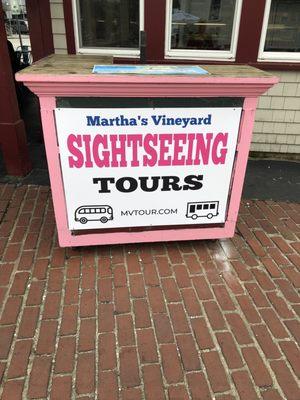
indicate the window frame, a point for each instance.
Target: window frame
{"x":273,"y":56}
{"x":212,"y":55}
{"x":154,"y":23}
{"x":113,"y":51}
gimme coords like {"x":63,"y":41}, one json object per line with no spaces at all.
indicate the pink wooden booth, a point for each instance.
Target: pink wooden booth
{"x":70,"y":77}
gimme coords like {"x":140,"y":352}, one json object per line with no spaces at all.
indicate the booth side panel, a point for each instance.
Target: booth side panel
{"x":48,"y":105}
{"x":243,"y":147}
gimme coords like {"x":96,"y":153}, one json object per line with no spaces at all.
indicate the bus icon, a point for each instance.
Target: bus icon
{"x":206,"y":209}
{"x":101,"y":213}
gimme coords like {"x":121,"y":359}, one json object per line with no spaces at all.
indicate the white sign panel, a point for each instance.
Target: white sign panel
{"x":145,"y":166}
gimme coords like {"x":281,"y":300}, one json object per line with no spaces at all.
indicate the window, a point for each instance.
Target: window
{"x":212,"y":206}
{"x":108,"y":26}
{"x":192,"y":208}
{"x":280,"y":38}
{"x":202,"y":28}
{"x":206,"y":206}
{"x":199,"y":207}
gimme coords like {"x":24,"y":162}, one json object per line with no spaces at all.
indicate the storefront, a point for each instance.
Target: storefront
{"x":262,"y":33}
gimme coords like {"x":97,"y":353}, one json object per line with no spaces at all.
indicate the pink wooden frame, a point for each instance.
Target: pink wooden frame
{"x":48,"y":87}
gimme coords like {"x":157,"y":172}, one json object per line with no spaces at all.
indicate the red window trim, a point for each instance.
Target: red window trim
{"x":155,"y":18}
{"x":69,"y":24}
{"x":155,"y":21}
{"x":40,"y":28}
{"x":250,"y":30}
{"x":278,"y":66}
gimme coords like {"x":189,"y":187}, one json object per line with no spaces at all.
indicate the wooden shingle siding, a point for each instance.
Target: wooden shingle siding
{"x":277,"y":127}
{"x":58,"y":26}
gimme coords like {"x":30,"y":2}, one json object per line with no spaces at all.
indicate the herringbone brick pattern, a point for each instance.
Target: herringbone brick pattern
{"x":188,"y":320}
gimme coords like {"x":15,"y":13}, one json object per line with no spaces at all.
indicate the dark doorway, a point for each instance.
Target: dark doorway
{"x":27,"y":35}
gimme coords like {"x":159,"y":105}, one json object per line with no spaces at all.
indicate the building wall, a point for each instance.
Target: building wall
{"x":58,"y":26}
{"x":277,"y":127}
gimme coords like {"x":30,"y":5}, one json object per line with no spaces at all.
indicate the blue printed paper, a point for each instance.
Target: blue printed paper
{"x":149,"y":69}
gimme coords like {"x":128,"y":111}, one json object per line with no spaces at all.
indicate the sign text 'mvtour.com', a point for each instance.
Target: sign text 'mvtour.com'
{"x":150,"y":149}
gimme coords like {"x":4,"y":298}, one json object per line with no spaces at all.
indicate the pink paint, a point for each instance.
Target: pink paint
{"x":76,"y":159}
{"x":150,"y":142}
{"x":179,"y":141}
{"x":122,"y":150}
{"x":135,"y":141}
{"x":49,"y":86}
{"x":164,"y":142}
{"x":219,"y":152}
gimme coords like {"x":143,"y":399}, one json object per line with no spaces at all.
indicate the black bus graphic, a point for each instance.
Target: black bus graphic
{"x":101,"y":213}
{"x":208,"y":209}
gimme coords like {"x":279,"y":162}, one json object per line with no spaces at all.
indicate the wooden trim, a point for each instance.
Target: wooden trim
{"x":276,"y":66}
{"x":76,"y":79}
{"x":128,"y":60}
{"x":250,"y":30}
{"x":268,"y":66}
{"x":277,"y":156}
{"x":40,"y":28}
{"x":69,"y":24}
{"x":155,"y":21}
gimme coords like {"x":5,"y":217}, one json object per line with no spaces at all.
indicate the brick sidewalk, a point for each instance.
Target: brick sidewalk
{"x":191,"y":320}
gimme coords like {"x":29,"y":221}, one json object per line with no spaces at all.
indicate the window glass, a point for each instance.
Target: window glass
{"x":202,"y":24}
{"x":108,"y":23}
{"x":192,"y":208}
{"x":283,"y":30}
{"x":212,"y":206}
{"x":199,"y":207}
{"x":205,"y":207}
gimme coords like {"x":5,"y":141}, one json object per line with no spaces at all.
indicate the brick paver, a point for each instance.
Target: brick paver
{"x":188,"y":320}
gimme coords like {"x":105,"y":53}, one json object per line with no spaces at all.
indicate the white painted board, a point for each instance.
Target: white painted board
{"x":146,"y":167}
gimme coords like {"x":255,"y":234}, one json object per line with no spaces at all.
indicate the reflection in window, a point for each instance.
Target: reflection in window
{"x":202,"y":24}
{"x":283,"y":32}
{"x":108,"y":23}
